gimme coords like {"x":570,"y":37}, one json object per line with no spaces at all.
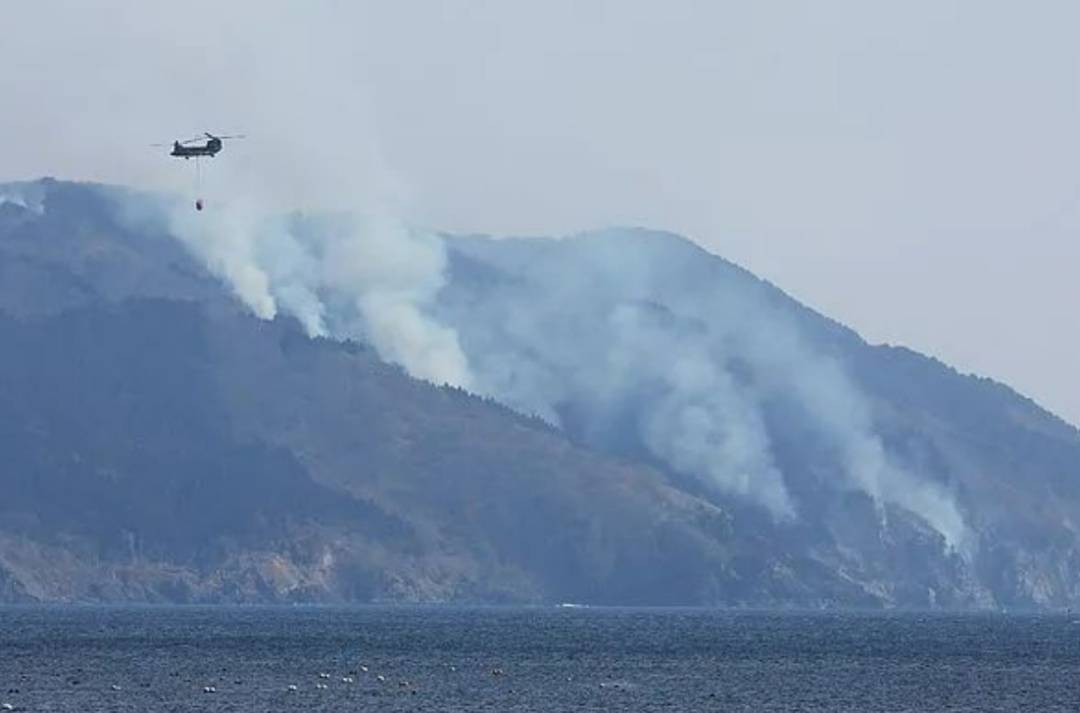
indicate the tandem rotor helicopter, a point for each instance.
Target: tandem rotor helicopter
{"x":207,"y":145}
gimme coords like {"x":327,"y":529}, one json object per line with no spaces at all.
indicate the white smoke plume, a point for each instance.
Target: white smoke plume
{"x":629,"y":330}
{"x":341,"y":276}
{"x":700,"y":420}
{"x":23,"y":195}
{"x":840,"y":413}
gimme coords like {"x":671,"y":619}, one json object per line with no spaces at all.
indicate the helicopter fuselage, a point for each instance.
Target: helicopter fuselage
{"x":211,"y":148}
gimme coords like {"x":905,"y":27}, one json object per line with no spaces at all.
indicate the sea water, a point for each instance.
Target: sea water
{"x":532,"y":659}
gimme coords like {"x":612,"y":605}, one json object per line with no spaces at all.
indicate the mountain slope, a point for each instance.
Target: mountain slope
{"x":702,"y":438}
{"x":119,"y":436}
{"x":859,"y":438}
{"x":172,"y":446}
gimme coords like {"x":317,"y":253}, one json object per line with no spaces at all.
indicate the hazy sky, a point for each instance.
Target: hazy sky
{"x":909,"y":168}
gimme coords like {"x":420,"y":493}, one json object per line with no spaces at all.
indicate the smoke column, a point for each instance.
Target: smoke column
{"x":342,"y":276}
{"x":633,"y":331}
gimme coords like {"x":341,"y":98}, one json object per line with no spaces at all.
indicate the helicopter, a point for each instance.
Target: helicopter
{"x":188,"y":149}
{"x":191,"y":148}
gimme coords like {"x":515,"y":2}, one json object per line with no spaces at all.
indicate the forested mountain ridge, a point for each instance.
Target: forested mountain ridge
{"x":653,"y":425}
